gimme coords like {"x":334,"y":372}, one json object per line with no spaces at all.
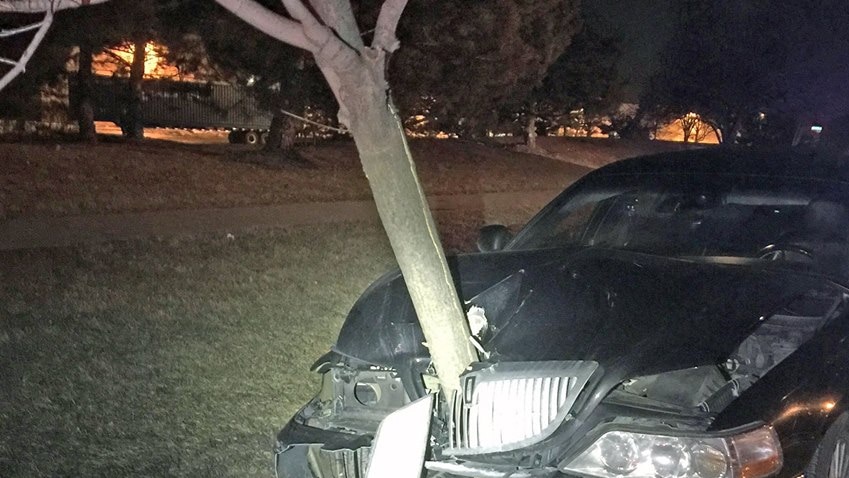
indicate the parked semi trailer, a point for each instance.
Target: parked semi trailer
{"x":189,"y":105}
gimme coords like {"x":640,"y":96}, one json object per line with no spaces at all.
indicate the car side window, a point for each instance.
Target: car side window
{"x":573,"y":224}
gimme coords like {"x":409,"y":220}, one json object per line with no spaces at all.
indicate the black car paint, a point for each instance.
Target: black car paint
{"x":635,"y":314}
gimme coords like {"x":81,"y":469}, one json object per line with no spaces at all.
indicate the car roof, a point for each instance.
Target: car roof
{"x":736,"y":161}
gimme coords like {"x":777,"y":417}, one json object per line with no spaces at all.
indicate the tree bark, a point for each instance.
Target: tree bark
{"x":133,"y":122}
{"x":403,"y":209}
{"x":531,"y":132}
{"x":84,"y":103}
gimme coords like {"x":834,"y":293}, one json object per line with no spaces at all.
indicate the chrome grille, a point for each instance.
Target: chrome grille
{"x":513,"y":404}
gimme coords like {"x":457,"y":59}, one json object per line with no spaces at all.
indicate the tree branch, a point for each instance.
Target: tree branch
{"x":268,"y":22}
{"x":329,"y":50}
{"x":21,"y":64}
{"x":337,"y":15}
{"x":40,"y":6}
{"x":17,"y":31}
{"x":317,"y":34}
{"x":387,"y":23}
{"x":108,"y":52}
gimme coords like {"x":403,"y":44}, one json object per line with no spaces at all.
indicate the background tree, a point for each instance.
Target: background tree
{"x":282,"y":77}
{"x":582,"y":78}
{"x":471,"y":60}
{"x":720,"y":64}
{"x":77,"y":35}
{"x":730,"y":61}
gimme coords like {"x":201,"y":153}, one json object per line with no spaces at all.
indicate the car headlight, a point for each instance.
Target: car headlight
{"x":624,"y":454}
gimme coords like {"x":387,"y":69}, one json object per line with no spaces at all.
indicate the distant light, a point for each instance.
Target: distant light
{"x":816,"y":128}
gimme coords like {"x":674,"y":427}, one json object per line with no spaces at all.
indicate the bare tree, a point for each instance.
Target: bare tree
{"x":688,"y":122}
{"x":356,"y":75}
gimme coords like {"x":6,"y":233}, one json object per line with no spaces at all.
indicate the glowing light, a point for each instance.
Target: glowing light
{"x":117,"y":60}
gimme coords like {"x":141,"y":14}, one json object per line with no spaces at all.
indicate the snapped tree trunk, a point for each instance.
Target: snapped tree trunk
{"x":133,"y":122}
{"x":84,"y":108}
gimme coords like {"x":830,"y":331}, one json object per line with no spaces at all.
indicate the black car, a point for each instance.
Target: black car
{"x":674,"y":316}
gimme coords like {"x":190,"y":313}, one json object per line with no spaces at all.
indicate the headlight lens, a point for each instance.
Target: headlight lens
{"x":618,"y":454}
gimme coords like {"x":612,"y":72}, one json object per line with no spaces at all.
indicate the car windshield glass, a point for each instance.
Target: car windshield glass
{"x":718,"y":216}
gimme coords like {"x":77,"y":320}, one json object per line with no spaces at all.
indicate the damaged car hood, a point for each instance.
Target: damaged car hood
{"x":634,"y":314}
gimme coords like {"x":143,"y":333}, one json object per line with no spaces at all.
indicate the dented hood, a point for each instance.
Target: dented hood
{"x":635,"y":313}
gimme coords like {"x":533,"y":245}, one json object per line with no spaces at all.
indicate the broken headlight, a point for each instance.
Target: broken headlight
{"x":625,"y":454}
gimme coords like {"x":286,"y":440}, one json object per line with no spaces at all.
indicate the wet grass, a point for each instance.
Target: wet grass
{"x":164,"y":358}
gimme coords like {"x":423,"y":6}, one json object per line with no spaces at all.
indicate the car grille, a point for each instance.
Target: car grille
{"x":510,"y":405}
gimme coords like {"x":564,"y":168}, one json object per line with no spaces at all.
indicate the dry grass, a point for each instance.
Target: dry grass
{"x":62,"y":179}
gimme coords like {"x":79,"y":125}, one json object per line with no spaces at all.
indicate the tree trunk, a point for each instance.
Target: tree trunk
{"x":686,"y":129}
{"x":735,"y":130}
{"x":133,"y":121}
{"x":281,"y":135}
{"x":275,"y":134}
{"x":720,"y":138}
{"x":84,"y":106}
{"x":531,"y":132}
{"x":403,"y":209}
{"x":355,"y":74}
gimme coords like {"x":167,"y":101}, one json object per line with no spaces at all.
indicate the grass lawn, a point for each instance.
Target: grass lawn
{"x":163,"y":358}
{"x":57,"y":179}
{"x":184,"y":357}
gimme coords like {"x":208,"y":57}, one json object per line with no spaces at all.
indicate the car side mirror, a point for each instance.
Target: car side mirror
{"x":493,"y":238}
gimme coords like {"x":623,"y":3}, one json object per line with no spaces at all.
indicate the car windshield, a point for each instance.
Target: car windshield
{"x":738,"y":218}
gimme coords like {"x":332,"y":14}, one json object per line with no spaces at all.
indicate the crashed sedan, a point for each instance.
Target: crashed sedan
{"x":674,"y":316}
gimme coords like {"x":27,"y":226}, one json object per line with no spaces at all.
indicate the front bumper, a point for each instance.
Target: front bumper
{"x":308,"y":452}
